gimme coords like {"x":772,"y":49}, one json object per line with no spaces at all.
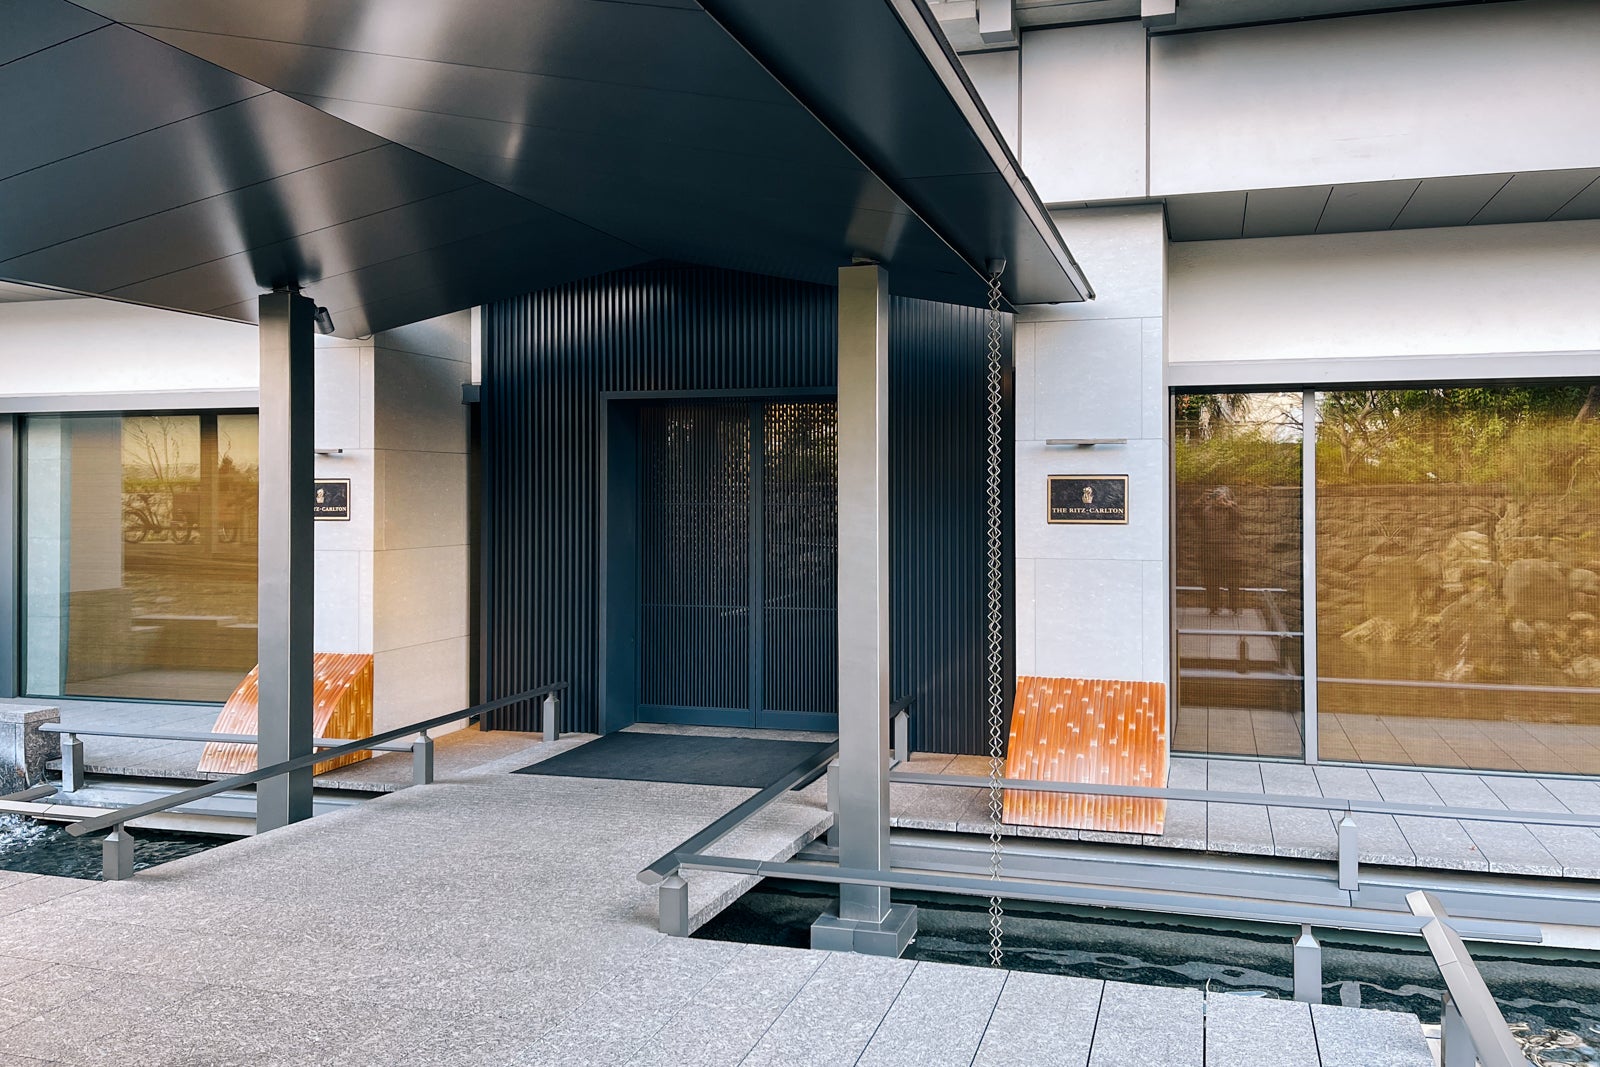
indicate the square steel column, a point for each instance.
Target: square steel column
{"x":10,"y":574}
{"x":286,"y":594}
{"x":867,"y":921}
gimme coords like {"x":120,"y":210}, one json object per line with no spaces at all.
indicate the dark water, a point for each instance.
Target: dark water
{"x":46,"y":848}
{"x":1544,"y":988}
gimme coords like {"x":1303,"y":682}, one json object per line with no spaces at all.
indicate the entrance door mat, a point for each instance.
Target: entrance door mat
{"x":690,"y":759}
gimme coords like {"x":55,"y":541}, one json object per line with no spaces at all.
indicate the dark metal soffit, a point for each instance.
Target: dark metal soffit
{"x":404,"y":160}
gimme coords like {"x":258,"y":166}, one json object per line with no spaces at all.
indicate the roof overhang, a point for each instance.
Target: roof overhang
{"x":402,"y":160}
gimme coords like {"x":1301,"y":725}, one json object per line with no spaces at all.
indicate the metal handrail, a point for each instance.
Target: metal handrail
{"x":1469,"y":1008}
{"x":138,"y":811}
{"x":1271,"y":800}
{"x":182,"y":735}
{"x":667,"y":864}
{"x":1173,"y":901}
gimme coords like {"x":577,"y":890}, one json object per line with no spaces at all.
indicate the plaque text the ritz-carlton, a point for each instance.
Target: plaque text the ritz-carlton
{"x":1088,"y":499}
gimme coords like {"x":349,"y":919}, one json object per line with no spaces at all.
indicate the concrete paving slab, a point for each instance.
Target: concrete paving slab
{"x":1356,"y":1037}
{"x":1252,"y":1031}
{"x":853,"y":993}
{"x":938,"y":1019}
{"x":1041,"y":1020}
{"x":1142,"y":1025}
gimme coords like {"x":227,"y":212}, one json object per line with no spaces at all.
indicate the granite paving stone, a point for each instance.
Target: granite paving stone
{"x":938,"y":1018}
{"x":413,"y":930}
{"x":1379,"y":838}
{"x":1041,"y":1020}
{"x":1253,"y":1031}
{"x":1511,"y":849}
{"x":1523,"y":794}
{"x":610,"y":1026}
{"x":1356,"y":1037}
{"x":1576,"y":848}
{"x":1462,"y":790}
{"x":31,"y":891}
{"x":1580,"y":797}
{"x":1440,"y":843}
{"x":853,"y":993}
{"x":88,"y":1005}
{"x":1143,"y":1025}
{"x":1185,"y":824}
{"x":726,"y":1018}
{"x":1243,"y":828}
{"x":1303,"y":833}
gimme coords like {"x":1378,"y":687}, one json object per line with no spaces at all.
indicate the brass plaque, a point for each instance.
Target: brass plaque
{"x":1088,"y":499}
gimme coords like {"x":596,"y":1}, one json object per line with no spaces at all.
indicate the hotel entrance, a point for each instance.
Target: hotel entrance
{"x":738,"y":563}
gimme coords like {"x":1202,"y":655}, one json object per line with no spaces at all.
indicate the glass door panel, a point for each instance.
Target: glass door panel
{"x":1237,"y":606}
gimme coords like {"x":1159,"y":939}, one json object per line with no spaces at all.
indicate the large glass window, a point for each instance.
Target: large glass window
{"x":1458,"y":578}
{"x":1457,"y":555}
{"x":1237,"y":461}
{"x":140,"y":555}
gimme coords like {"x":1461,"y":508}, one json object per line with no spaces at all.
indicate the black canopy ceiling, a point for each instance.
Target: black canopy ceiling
{"x":404,"y":158}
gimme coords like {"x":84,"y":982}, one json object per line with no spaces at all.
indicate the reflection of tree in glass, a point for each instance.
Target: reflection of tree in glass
{"x":158,"y":481}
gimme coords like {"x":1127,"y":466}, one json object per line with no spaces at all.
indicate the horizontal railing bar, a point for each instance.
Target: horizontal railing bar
{"x":668,"y":863}
{"x":1483,"y":687}
{"x":31,"y":793}
{"x":261,"y":774}
{"x":902,"y":704}
{"x":1330,"y":916}
{"x":1206,"y":796}
{"x":180,"y":735}
{"x":1242,"y":589}
{"x":1241,"y":633}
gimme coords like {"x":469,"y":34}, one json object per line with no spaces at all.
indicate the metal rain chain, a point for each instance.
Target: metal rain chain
{"x":996,"y":620}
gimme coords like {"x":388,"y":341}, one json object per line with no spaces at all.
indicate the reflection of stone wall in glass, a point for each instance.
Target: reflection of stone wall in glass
{"x":1462,"y":551}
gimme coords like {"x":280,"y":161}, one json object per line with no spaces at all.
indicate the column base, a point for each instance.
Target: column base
{"x":888,"y":936}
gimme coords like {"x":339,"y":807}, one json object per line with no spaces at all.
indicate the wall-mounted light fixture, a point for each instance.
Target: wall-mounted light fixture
{"x":324,"y":321}
{"x":328,"y":451}
{"x":1084,"y":442}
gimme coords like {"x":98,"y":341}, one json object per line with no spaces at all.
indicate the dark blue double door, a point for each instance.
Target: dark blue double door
{"x":738,"y":564}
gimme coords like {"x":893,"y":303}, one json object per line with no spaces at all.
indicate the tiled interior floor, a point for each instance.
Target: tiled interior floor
{"x":1476,"y":744}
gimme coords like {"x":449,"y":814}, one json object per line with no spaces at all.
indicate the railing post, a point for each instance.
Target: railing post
{"x":833,"y":804}
{"x":552,"y":731}
{"x":900,"y":735}
{"x":1455,"y":1043}
{"x":673,"y":895}
{"x":1307,"y":967}
{"x":422,"y":760}
{"x":71,"y":763}
{"x":1349,"y":854}
{"x":116,"y":854}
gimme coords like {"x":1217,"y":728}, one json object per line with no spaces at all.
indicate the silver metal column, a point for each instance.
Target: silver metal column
{"x":284,"y":647}
{"x":866,"y":922}
{"x":1308,"y":570}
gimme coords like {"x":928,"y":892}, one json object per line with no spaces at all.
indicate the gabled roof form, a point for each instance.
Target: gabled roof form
{"x":405,"y":159}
